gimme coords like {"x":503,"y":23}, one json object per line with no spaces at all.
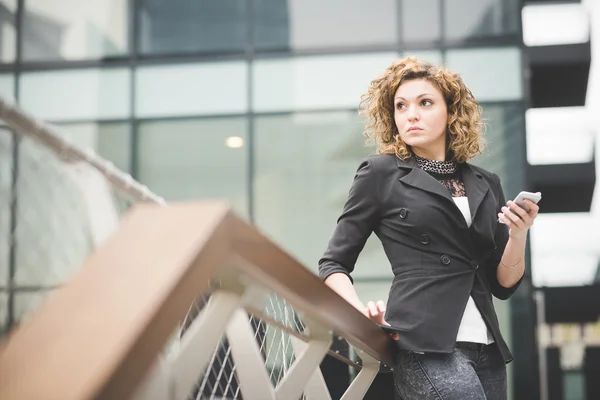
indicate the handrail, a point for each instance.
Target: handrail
{"x":98,"y":335}
{"x":51,"y":138}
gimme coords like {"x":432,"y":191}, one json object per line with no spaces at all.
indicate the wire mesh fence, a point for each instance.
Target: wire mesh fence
{"x":46,"y":224}
{"x":274,"y":326}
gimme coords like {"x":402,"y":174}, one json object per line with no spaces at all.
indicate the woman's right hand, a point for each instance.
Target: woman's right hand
{"x":376,"y":311}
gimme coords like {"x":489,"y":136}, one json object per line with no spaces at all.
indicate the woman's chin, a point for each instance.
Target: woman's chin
{"x":417,"y":142}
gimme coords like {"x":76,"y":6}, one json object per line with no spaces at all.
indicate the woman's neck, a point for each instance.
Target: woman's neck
{"x":436,"y":156}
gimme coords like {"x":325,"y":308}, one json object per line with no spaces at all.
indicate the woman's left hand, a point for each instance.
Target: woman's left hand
{"x":517,"y":219}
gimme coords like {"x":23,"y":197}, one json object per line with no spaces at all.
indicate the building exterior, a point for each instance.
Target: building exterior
{"x":254,"y":101}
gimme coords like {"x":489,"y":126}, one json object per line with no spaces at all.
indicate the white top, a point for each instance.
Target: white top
{"x":472,"y":326}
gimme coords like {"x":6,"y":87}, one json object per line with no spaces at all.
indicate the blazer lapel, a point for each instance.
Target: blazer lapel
{"x":475,"y":186}
{"x":421,"y":179}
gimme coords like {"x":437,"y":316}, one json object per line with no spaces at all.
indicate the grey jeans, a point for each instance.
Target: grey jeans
{"x":471,"y":372}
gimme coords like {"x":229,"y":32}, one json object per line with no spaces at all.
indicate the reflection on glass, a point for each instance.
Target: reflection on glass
{"x":190,"y":159}
{"x":307,"y":24}
{"x":7,"y":87}
{"x":492,"y":74}
{"x":8,"y":33}
{"x":77,"y":94}
{"x":74,"y":30}
{"x":421,"y":21}
{"x":466,"y":19}
{"x":304,"y":168}
{"x":191,"y":89}
{"x":317,"y":82}
{"x":190,"y":26}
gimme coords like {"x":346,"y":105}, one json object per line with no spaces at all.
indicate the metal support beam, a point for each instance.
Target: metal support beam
{"x":301,"y":371}
{"x":359,"y":386}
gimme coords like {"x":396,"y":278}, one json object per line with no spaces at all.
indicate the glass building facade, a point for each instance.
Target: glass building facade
{"x":255,"y":101}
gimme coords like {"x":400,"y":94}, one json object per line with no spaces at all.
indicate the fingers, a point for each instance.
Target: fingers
{"x":381,"y":306}
{"x":515,"y":216}
{"x":372,"y":310}
{"x":375,"y":311}
{"x":533,"y":208}
{"x":512,"y":220}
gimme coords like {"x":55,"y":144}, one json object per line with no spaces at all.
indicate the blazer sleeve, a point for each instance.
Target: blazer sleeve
{"x":356,"y":223}
{"x":500,"y":238}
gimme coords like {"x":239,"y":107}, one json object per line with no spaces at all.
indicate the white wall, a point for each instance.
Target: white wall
{"x":566,"y":247}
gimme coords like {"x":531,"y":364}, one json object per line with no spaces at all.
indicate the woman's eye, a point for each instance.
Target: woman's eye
{"x":399,"y":106}
{"x":426,"y":102}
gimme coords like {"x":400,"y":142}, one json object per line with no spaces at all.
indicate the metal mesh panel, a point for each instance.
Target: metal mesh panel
{"x":272,"y":327}
{"x":47,"y":218}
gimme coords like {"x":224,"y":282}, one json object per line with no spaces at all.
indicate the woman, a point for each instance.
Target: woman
{"x":449,"y":236}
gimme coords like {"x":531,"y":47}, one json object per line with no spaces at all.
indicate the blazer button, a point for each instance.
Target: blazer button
{"x":445,"y":259}
{"x":403,"y":212}
{"x":425,"y":238}
{"x":474,"y":265}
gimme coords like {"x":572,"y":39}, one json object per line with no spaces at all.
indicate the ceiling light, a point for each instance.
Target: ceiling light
{"x":234,"y":142}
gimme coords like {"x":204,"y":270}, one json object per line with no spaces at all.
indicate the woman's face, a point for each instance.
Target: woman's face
{"x":421,"y":118}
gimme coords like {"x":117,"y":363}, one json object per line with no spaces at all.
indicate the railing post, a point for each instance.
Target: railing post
{"x":200,"y":340}
{"x":301,"y":371}
{"x":316,"y":388}
{"x":361,"y":383}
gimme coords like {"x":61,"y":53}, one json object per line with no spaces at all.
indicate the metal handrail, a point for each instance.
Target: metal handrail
{"x":40,"y":131}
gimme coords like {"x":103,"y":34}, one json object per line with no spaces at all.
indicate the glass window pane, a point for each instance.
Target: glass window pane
{"x":7,"y":89}
{"x":6,"y":170}
{"x":8,"y":39}
{"x":184,"y":26}
{"x":196,"y":159}
{"x":505,"y":152}
{"x":192,"y":89}
{"x":465,"y":19}
{"x":421,"y":21}
{"x":304,"y":166}
{"x":77,"y":94}
{"x":74,"y":30}
{"x":307,"y":24}
{"x":111,"y":141}
{"x":492,"y":74}
{"x":309,"y":83}
{"x":432,"y":56}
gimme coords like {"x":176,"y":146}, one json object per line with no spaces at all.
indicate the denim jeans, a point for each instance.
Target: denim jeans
{"x":472,"y":371}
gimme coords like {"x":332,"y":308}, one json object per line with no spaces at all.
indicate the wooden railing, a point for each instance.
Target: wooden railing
{"x":103,"y":334}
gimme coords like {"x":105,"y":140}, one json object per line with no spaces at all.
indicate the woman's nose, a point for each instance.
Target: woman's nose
{"x":412,"y":114}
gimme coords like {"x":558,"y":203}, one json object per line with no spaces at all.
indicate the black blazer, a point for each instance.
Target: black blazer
{"x":437,"y":260}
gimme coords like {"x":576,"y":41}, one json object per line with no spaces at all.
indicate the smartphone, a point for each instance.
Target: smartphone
{"x":535,"y":197}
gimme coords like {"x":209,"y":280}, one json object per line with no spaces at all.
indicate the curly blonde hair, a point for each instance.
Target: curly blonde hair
{"x":465,"y":126}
